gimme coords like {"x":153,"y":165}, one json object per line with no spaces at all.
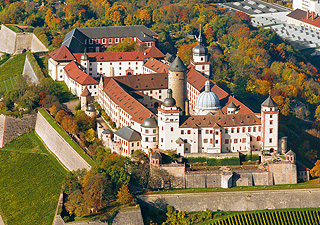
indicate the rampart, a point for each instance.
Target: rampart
{"x":58,"y":146}
{"x":235,"y":200}
{"x":12,"y":42}
{"x":28,"y":71}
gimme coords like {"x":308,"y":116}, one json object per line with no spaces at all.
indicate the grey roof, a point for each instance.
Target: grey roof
{"x":128,"y":134}
{"x":169,"y":101}
{"x":149,"y":123}
{"x":169,"y":57}
{"x":232,"y":106}
{"x":290,"y":153}
{"x":145,"y":37}
{"x":116,"y":31}
{"x":255,"y":7}
{"x":269,"y":102}
{"x":177,"y":65}
{"x":107,"y":131}
{"x":156,"y":155}
{"x":179,"y":140}
{"x":75,"y":40}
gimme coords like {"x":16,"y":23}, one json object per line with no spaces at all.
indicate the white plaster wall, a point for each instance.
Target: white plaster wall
{"x":167,"y":138}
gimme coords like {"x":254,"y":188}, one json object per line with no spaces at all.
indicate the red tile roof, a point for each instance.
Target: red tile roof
{"x":62,"y":54}
{"x":124,"y":100}
{"x":156,"y":66}
{"x":230,"y":120}
{"x":74,"y":72}
{"x":154,"y":52}
{"x":197,"y":80}
{"x":301,"y":15}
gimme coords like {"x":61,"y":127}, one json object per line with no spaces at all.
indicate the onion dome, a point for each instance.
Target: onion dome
{"x":200,"y":50}
{"x":177,"y":65}
{"x":207,"y":100}
{"x":84,"y":57}
{"x":169,"y":101}
{"x":149,"y":123}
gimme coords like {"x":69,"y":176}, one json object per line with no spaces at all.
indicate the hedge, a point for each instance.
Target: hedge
{"x":214,"y":162}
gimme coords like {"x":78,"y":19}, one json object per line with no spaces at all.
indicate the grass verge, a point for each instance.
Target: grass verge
{"x":13,"y":67}
{"x":30,"y":182}
{"x":73,"y":144}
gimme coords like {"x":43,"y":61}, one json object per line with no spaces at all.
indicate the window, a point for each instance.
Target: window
{"x":232,"y":130}
{"x":270,"y":116}
{"x":271,"y":122}
{"x":216,"y":141}
{"x":258,"y":138}
{"x":217,"y":133}
{"x":259,"y":129}
{"x":270,"y":140}
{"x":103,"y":41}
{"x":189,"y":131}
{"x":243,"y":130}
{"x":161,"y":139}
{"x":117,"y":40}
{"x":154,"y":139}
{"x":226,"y":131}
{"x":147,"y":131}
{"x":182,"y":132}
{"x":171,"y":129}
{"x":207,"y":131}
{"x":147,"y":139}
{"x":205,"y":140}
{"x":250,"y":138}
{"x":211,"y":131}
{"x":110,"y":40}
{"x":226,"y":141}
{"x":235,"y":140}
{"x":238,"y":130}
{"x":271,"y":130}
{"x":154,"y":131}
{"x":199,"y":131}
{"x":249,"y":129}
{"x":254,"y":129}
{"x":132,"y":144}
{"x":137,"y":143}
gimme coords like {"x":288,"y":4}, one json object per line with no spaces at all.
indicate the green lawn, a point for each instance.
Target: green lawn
{"x":13,"y":67}
{"x":30,"y":182}
{"x":65,"y":95}
{"x":14,"y":28}
{"x":73,"y":144}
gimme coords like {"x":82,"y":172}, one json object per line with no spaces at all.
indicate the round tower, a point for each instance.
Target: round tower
{"x":177,"y":81}
{"x":149,"y":134}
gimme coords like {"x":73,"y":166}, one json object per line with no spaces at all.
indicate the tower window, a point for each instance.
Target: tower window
{"x":171,"y":129}
{"x":270,"y":140}
{"x":271,"y":122}
{"x":147,"y":139}
{"x":201,"y":58}
{"x":271,"y":130}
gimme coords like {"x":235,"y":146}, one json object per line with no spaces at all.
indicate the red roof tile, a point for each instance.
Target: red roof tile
{"x":75,"y":73}
{"x":156,"y":66}
{"x":301,"y":15}
{"x":62,"y":54}
{"x":154,"y":52}
{"x":123,"y":99}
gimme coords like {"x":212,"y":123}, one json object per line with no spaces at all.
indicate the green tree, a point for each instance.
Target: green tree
{"x":90,"y":135}
{"x":76,"y":204}
{"x":124,"y":196}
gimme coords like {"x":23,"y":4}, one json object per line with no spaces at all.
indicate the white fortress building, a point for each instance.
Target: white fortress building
{"x":166,"y":107}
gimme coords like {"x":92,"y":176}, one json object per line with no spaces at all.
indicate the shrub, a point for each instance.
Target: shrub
{"x":196,"y":159}
{"x":223,"y":162}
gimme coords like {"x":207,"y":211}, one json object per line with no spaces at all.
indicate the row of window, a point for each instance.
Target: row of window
{"x":153,"y":139}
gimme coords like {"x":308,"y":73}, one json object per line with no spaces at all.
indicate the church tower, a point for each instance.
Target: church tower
{"x":270,"y":125}
{"x":177,"y":82}
{"x":200,"y":59}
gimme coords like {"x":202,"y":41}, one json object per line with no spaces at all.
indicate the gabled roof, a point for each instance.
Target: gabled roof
{"x":75,"y":40}
{"x":85,"y":92}
{"x":226,"y":120}
{"x":154,"y":52}
{"x":142,"y":82}
{"x":116,"y":31}
{"x":128,"y":134}
{"x":290,"y":153}
{"x":177,"y":65}
{"x":144,"y":37}
{"x":301,"y":15}
{"x":123,"y":99}
{"x":62,"y":54}
{"x":74,"y":71}
{"x":156,"y":66}
{"x":107,"y":131}
{"x":269,"y":102}
{"x":179,"y":140}
{"x":156,"y":155}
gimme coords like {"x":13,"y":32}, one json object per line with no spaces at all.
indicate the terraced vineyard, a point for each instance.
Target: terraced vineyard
{"x":272,"y":217}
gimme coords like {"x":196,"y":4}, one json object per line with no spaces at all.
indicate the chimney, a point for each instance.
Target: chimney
{"x":187,"y":109}
{"x":312,"y":16}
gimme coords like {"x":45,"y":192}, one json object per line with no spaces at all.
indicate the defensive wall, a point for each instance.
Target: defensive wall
{"x":58,"y":146}
{"x":12,"y":42}
{"x":235,"y":200}
{"x":28,"y":71}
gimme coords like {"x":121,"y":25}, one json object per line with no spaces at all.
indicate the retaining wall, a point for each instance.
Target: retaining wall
{"x":58,"y":146}
{"x":235,"y":201}
{"x":29,"y":72}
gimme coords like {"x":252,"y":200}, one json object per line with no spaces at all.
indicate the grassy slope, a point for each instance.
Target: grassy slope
{"x":13,"y":67}
{"x":275,"y":217}
{"x":74,"y":145}
{"x":30,"y":182}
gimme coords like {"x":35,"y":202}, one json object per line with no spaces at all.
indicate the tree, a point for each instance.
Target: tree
{"x":317,"y":113}
{"x":69,"y":124}
{"x":76,"y":204}
{"x":125,"y":46}
{"x":73,"y":181}
{"x":90,"y":135}
{"x":315,"y":171}
{"x":53,"y":110}
{"x":124,"y":196}
{"x":185,"y":52}
{"x":60,"y":115}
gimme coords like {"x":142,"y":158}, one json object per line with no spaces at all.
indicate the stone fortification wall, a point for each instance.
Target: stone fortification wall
{"x":251,"y":178}
{"x":128,"y":217}
{"x":12,"y":42}
{"x":28,"y":71}
{"x":58,"y":146}
{"x":202,"y":180}
{"x":14,"y":127}
{"x":7,"y":37}
{"x":236,"y":200}
{"x":283,"y":172}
